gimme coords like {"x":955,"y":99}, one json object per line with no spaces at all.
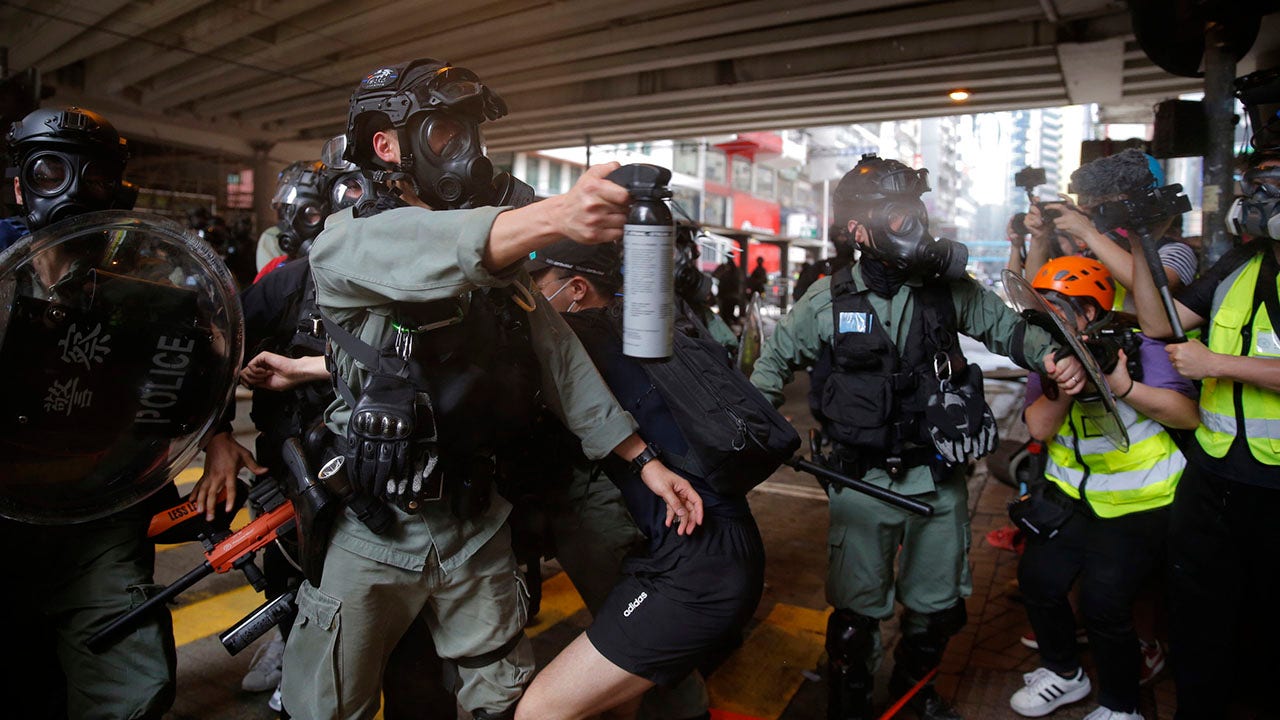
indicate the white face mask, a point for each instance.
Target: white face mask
{"x":553,"y":295}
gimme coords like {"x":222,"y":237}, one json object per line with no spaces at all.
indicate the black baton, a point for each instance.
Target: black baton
{"x":897,"y":500}
{"x":1152,"y":255}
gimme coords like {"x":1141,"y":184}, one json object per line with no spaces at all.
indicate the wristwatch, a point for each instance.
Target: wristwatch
{"x":650,"y":452}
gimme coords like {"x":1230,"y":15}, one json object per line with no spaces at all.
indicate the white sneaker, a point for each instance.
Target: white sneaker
{"x":275,"y":704}
{"x":1047,"y":691}
{"x":265,"y":668}
{"x":1105,"y":714}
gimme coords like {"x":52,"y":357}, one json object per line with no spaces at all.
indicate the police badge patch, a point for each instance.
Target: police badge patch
{"x":855,"y":322}
{"x":380,"y":78}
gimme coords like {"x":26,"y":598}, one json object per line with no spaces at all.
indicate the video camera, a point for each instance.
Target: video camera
{"x":1029,"y":178}
{"x":1143,"y":209}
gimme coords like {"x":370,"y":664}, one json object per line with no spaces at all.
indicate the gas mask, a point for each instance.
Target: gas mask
{"x":448,"y":165}
{"x":691,"y":283}
{"x":898,"y":227}
{"x":57,"y":185}
{"x":348,"y":189}
{"x":436,"y":109}
{"x":1257,"y":213}
{"x":67,"y":162}
{"x":301,"y":206}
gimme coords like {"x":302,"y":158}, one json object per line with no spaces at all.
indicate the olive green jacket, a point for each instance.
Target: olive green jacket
{"x":362,"y":268}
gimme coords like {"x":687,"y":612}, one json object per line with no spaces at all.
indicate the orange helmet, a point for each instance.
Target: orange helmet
{"x":1077,"y":277}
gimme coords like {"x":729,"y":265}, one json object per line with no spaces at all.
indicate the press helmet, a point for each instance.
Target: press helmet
{"x":436,"y":109}
{"x":1076,"y":280}
{"x":68,"y":162}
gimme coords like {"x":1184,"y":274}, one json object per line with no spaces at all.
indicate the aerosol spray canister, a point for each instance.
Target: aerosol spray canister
{"x":648,"y":258}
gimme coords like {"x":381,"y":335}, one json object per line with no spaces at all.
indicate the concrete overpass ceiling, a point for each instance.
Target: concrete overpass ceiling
{"x":229,"y":76}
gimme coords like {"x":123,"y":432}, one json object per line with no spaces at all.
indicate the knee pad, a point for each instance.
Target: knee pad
{"x":849,"y":637}
{"x":948,"y":622}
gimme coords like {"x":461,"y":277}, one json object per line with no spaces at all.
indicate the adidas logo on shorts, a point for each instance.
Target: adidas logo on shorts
{"x":634,"y":604}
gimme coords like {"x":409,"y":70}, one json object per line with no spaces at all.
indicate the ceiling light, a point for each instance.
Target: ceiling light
{"x":958,"y":95}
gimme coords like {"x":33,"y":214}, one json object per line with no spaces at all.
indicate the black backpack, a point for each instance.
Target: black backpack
{"x":736,"y":439}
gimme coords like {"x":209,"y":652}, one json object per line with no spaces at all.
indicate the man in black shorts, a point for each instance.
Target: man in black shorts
{"x":690,"y":592}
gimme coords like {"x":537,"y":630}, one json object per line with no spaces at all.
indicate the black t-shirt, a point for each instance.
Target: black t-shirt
{"x":1238,"y":464}
{"x":637,"y":395}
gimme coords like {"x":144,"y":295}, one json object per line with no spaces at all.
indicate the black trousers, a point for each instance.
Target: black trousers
{"x":1111,"y":557}
{"x":1224,"y":580}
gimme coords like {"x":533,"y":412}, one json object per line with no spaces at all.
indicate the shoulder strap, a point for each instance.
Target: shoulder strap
{"x":362,"y":352}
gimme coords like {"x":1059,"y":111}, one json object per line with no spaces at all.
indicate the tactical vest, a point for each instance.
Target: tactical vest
{"x":472,"y":356}
{"x":1115,"y":482}
{"x":1242,"y":323}
{"x":868,"y":395}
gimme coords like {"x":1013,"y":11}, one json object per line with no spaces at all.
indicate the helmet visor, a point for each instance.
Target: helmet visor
{"x":905,"y":182}
{"x":1266,"y":180}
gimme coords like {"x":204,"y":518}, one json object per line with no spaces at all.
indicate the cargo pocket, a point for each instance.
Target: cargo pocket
{"x":313,"y":655}
{"x":860,"y":401}
{"x":522,"y":597}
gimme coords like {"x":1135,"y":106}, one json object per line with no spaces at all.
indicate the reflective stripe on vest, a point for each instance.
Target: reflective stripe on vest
{"x":1120,"y":482}
{"x":1232,"y":305}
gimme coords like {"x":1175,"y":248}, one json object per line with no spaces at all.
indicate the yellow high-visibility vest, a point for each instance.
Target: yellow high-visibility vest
{"x":1119,"y":482}
{"x":1232,"y":306}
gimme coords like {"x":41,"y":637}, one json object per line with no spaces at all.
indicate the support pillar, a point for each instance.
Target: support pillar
{"x":1219,"y":105}
{"x":265,"y":173}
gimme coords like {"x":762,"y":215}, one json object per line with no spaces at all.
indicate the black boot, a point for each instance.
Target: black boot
{"x":923,"y":643}
{"x":849,"y":682}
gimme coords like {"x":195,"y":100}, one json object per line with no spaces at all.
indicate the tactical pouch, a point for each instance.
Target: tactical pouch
{"x":471,"y":488}
{"x":1043,"y":511}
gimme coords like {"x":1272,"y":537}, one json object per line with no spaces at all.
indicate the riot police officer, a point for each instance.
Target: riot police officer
{"x":438,"y":345}
{"x":882,"y":338}
{"x":72,"y":579}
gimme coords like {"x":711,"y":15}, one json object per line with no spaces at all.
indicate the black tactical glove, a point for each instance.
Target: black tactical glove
{"x":961,"y":424}
{"x":378,"y":434}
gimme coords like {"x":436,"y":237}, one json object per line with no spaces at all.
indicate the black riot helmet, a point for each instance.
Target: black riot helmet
{"x":68,"y":162}
{"x":436,"y":109}
{"x":884,"y":197}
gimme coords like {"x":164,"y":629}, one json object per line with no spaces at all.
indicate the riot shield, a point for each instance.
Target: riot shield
{"x":120,"y":340}
{"x":1098,"y":406}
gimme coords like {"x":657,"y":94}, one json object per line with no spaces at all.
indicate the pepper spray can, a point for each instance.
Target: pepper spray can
{"x":648,"y":262}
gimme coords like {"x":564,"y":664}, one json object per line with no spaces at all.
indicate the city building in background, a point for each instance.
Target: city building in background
{"x":772,"y":189}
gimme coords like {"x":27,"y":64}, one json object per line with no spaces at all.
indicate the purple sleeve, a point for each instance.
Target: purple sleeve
{"x":1034,"y":389}
{"x":1158,"y":372}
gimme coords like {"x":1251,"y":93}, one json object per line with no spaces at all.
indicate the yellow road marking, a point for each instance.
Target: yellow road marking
{"x":560,"y":600}
{"x":187,"y":478}
{"x":761,"y":677}
{"x":213,"y":615}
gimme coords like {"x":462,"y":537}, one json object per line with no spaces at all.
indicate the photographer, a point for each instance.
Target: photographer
{"x":1116,"y":177}
{"x":1224,"y":542}
{"x":1114,"y":531}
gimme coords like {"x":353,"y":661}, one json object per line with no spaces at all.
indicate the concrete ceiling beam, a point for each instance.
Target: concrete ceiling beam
{"x":52,"y":25}
{"x":440,"y":42}
{"x":1093,"y":71}
{"x":135,"y":20}
{"x":202,"y":32}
